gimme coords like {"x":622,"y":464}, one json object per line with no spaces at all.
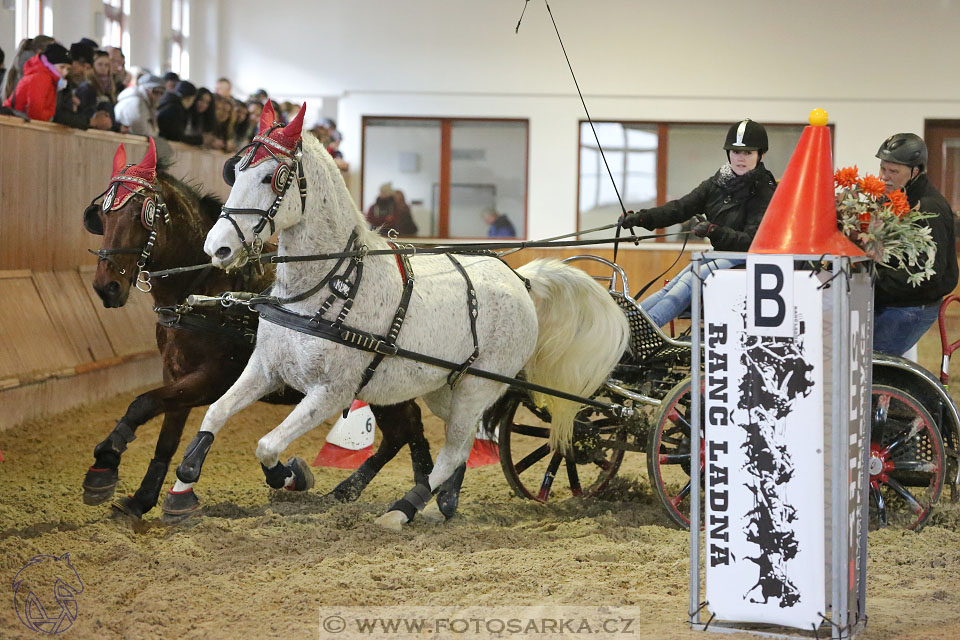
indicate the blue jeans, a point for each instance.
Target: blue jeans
{"x":674,"y":298}
{"x":896,"y":329}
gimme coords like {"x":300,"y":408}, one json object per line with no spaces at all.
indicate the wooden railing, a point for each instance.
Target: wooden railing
{"x":59,"y":347}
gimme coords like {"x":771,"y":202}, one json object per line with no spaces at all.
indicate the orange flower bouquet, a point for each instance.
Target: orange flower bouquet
{"x":883,"y":224}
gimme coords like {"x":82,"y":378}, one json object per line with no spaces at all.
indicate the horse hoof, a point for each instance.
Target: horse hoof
{"x":447,"y":502}
{"x":343,"y":493}
{"x":177,"y":507}
{"x":128,"y":507}
{"x":393,"y":520}
{"x":302,"y":476}
{"x":99,"y":485}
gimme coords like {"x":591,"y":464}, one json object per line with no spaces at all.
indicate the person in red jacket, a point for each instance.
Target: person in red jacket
{"x":36,"y":93}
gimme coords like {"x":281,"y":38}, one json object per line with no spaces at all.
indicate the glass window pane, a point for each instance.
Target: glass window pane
{"x":611,"y":135}
{"x":631,"y":152}
{"x":126,"y":6}
{"x":401,"y":160}
{"x":488,"y":179}
{"x":184,"y":65}
{"x":642,"y":136}
{"x":185,"y":27}
{"x":175,"y":15}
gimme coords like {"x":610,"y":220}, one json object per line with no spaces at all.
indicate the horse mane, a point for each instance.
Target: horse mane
{"x":341,"y":193}
{"x":186,"y":202}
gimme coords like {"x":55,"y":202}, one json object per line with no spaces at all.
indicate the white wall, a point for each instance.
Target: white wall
{"x":877,"y":66}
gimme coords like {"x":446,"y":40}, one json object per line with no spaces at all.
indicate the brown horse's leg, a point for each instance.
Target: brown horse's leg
{"x":148,"y":494}
{"x":198,"y":387}
{"x":400,"y":424}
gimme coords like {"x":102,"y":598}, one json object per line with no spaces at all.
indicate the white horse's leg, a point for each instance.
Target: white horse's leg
{"x":466,"y":408}
{"x":316,"y":406}
{"x":249,"y":387}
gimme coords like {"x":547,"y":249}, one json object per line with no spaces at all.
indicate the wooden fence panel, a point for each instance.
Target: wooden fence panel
{"x":51,"y":172}
{"x":68,"y":306}
{"x":29,"y":341}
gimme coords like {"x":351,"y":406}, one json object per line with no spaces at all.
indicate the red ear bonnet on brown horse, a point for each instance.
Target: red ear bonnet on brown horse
{"x":124,"y":183}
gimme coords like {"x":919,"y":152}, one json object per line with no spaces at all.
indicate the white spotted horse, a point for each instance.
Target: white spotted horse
{"x":151,"y":220}
{"x":335,"y":328}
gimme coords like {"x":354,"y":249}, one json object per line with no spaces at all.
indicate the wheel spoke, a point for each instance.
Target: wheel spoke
{"x":548,"y":477}
{"x":881,"y":505}
{"x":906,"y":495}
{"x":903,"y":437}
{"x":677,"y":499}
{"x":573,"y":476}
{"x":532,"y":458}
{"x":674,"y":458}
{"x":530,"y":430}
{"x":915,"y":465}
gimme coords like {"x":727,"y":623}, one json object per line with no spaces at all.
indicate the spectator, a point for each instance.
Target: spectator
{"x":200,"y":116}
{"x":172,"y":114}
{"x":262,"y":97}
{"x":137,"y":106}
{"x":82,"y":64}
{"x":500,"y":225}
{"x":390,"y":211}
{"x":98,"y":92}
{"x":223,"y":88}
{"x":904,"y":312}
{"x":118,"y":68}
{"x":68,"y":102}
{"x":90,"y":43}
{"x":36,"y":92}
{"x":170,"y":80}
{"x":250,"y":122}
{"x":223,"y":124}
{"x":2,"y":68}
{"x":29,"y":47}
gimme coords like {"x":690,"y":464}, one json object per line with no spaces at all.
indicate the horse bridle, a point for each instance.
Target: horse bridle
{"x":280,"y":184}
{"x":152,"y":204}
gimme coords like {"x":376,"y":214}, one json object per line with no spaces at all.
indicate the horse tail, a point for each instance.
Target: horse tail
{"x":582,"y":334}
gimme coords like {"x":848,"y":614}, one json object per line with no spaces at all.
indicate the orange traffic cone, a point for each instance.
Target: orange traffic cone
{"x":485,"y":450}
{"x":802,"y":216}
{"x":350,"y":441}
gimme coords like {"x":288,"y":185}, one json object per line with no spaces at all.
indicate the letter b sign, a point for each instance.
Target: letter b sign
{"x":770,"y":296}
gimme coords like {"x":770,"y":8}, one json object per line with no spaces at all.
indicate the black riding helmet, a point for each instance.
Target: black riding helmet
{"x":746,"y":135}
{"x":904,"y":148}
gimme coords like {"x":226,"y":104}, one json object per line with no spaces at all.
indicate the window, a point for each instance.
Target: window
{"x":115,"y":15}
{"x":653,"y":163}
{"x":460,"y":177}
{"x":180,"y":34}
{"x":39,"y":18}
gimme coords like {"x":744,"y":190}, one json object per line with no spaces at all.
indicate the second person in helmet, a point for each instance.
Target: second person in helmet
{"x":728,"y":206}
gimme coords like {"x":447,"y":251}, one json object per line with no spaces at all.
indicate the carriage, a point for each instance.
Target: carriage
{"x":913,"y":453}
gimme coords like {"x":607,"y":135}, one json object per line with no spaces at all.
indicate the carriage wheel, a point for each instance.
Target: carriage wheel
{"x":532,"y":469}
{"x":907,"y":462}
{"x":668,"y":454}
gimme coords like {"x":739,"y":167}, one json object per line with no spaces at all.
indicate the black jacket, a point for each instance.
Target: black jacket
{"x":172,"y":120}
{"x":736,"y":213}
{"x":892,"y":289}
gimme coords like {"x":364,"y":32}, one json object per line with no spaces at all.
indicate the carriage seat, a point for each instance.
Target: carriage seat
{"x":647,"y":341}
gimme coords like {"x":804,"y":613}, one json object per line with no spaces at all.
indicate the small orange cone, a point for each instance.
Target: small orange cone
{"x":802,"y":215}
{"x":350,"y":441}
{"x":484,"y":451}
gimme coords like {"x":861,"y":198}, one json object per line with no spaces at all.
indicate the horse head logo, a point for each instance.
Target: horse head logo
{"x":45,"y":594}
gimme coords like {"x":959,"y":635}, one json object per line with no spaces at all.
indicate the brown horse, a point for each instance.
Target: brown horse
{"x":150,"y":219}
